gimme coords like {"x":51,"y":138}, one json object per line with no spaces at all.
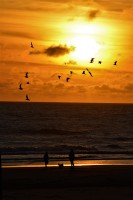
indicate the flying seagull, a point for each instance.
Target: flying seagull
{"x":115,"y":62}
{"x":83,"y":72}
{"x":20,"y":86}
{"x":67,"y":79}
{"x":27,"y":98}
{"x":89,"y":72}
{"x":59,"y":76}
{"x":31,"y":45}
{"x":26,"y":75}
{"x":92,"y":60}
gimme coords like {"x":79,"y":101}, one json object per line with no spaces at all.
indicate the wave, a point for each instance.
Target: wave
{"x":114,"y":146}
{"x":52,"y":132}
{"x":124,"y":138}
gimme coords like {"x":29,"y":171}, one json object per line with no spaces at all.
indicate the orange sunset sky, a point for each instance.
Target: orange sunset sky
{"x":65,"y":36}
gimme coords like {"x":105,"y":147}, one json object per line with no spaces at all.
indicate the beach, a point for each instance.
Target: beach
{"x":94,"y":182}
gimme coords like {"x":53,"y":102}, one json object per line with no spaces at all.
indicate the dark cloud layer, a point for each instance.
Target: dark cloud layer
{"x":55,"y":51}
{"x":60,"y":50}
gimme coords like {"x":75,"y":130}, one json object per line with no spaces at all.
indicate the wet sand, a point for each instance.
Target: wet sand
{"x":95,"y":182}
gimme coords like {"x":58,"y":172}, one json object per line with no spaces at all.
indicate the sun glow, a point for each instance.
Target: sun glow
{"x":85,"y":48}
{"x":87,"y":29}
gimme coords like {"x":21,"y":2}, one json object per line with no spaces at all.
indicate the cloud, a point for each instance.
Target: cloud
{"x":18,"y":34}
{"x":52,"y":90}
{"x":117,"y":6}
{"x":60,"y":50}
{"x":62,"y":90}
{"x":36,"y":52}
{"x":42,"y":6}
{"x":106,"y":88}
{"x":71,"y":62}
{"x":129,"y":87}
{"x":55,"y":51}
{"x":92,"y":14}
{"x":59,"y":5}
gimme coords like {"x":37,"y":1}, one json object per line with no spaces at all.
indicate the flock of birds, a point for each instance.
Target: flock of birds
{"x":59,"y":76}
{"x":84,"y":71}
{"x":71,"y":72}
{"x":21,"y":88}
{"x":26,"y":76}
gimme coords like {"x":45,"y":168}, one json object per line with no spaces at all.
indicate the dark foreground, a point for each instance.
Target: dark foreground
{"x":102,"y":182}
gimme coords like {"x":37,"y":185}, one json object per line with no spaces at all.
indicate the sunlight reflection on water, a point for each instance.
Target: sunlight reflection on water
{"x":77,"y":163}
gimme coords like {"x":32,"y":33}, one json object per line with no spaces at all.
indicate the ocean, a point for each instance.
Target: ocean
{"x":94,"y":131}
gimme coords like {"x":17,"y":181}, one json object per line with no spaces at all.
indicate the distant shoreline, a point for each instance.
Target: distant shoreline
{"x":52,"y":102}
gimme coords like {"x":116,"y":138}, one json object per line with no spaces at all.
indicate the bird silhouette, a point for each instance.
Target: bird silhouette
{"x":59,"y":76}
{"x":99,"y":62}
{"x":115,"y":62}
{"x":26,"y":75}
{"x":89,"y":72}
{"x":27,"y":98}
{"x":92,"y":60}
{"x":71,"y":72}
{"x":83,"y":72}
{"x":31,"y":45}
{"x":20,"y":87}
{"x":67,"y":79}
{"x":28,"y":82}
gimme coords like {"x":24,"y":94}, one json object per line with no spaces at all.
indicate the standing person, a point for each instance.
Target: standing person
{"x":71,"y":157}
{"x":46,"y":158}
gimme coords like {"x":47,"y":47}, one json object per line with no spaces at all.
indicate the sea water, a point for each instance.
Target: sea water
{"x":94,"y":131}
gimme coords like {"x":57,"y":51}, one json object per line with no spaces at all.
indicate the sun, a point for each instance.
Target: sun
{"x":85,"y":48}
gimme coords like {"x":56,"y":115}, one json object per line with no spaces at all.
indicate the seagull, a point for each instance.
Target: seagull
{"x":89,"y":72}
{"x":67,"y":79}
{"x":20,"y":87}
{"x":26,"y":75}
{"x":31,"y":45}
{"x":59,"y":77}
{"x":92,"y":60}
{"x":27,"y":98}
{"x":115,"y":62}
{"x":99,"y":62}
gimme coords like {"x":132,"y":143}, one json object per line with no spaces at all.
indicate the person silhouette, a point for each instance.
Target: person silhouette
{"x":46,"y":158}
{"x":71,"y":157}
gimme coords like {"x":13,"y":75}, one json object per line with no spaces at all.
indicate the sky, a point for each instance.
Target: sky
{"x":65,"y":36}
